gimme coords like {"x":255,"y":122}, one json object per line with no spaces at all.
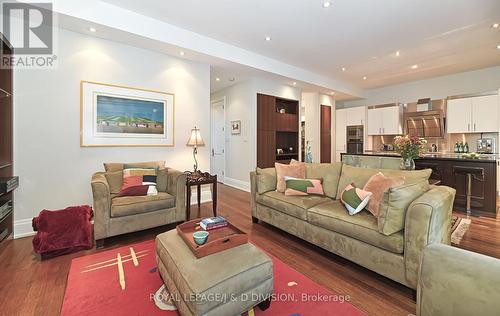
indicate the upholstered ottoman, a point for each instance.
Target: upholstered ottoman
{"x":225,"y":283}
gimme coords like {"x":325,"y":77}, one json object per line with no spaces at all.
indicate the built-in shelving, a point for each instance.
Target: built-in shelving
{"x":277,"y":130}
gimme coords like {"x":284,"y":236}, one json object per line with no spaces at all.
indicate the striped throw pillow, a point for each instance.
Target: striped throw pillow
{"x":295,"y":186}
{"x":139,"y":181}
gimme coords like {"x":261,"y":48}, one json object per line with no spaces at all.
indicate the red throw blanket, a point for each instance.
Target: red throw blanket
{"x":63,"y":231}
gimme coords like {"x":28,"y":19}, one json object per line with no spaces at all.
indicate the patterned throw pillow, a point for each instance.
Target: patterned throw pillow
{"x":355,"y":199}
{"x":296,"y":171}
{"x":139,"y":181}
{"x":295,"y":186}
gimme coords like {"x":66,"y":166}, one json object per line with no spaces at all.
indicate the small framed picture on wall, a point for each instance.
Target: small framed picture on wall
{"x":235,"y":127}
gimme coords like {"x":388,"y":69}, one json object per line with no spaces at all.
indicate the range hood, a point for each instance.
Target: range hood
{"x":429,"y":123}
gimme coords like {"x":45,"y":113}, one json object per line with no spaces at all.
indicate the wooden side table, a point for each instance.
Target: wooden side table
{"x":198,"y":179}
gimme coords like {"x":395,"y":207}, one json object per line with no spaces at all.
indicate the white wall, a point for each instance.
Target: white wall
{"x":482,"y":80}
{"x":241,"y":104}
{"x":54,"y":170}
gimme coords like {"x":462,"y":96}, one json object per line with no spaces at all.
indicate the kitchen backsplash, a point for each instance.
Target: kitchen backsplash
{"x":444,"y":144}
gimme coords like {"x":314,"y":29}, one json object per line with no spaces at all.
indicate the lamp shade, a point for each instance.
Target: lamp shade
{"x":195,"y":139}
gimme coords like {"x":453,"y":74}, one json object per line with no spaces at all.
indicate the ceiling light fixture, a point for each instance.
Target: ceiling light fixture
{"x":332,"y":93}
{"x":397,"y":53}
{"x":268,"y":38}
{"x":92,"y":29}
{"x":495,"y":26}
{"x":327,"y":4}
{"x":217,"y":79}
{"x":343,"y":69}
{"x":294,"y":83}
{"x":498,"y":46}
{"x":182,"y":53}
{"x":364,"y":78}
{"x":414,"y":67}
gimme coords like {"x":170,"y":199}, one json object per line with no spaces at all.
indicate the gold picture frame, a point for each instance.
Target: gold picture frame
{"x":129,"y":132}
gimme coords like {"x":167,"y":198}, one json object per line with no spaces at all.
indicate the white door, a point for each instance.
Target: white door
{"x":485,"y":114}
{"x":458,"y":116}
{"x":218,"y":139}
{"x":374,"y":123}
{"x":391,"y":120}
{"x":340,"y":130}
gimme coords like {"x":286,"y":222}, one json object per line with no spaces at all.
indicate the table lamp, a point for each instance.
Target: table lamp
{"x":195,"y":140}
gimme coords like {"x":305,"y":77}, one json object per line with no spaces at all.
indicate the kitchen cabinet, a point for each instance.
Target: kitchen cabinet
{"x":384,"y":121}
{"x":340,"y":129}
{"x":448,"y":171}
{"x":355,"y":116}
{"x":473,"y":115}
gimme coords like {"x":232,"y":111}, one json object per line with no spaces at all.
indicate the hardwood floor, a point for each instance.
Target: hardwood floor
{"x":31,"y":287}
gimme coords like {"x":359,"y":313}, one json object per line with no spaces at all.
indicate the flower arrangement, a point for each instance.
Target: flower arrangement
{"x":409,"y":147}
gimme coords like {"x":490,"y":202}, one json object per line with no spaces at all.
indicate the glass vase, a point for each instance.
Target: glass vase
{"x":407,"y":164}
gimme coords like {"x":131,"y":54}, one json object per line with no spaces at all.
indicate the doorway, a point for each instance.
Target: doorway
{"x":218,"y":157}
{"x":326,"y":134}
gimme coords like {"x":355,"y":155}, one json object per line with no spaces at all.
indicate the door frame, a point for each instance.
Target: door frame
{"x":212,"y":135}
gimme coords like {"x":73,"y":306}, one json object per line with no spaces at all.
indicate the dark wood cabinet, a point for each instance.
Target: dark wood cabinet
{"x":453,"y":173}
{"x":277,"y":128}
{"x":6,"y":146}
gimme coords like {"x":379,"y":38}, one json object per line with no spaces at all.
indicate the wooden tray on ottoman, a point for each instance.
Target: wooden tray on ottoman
{"x":219,"y":239}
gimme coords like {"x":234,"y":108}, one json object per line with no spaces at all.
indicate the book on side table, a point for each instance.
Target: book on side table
{"x":219,"y":239}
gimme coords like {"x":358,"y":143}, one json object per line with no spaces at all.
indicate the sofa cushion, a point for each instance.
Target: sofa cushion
{"x":131,"y":205}
{"x":162,"y":180}
{"x":394,"y":204}
{"x":359,"y":176}
{"x":362,"y":226}
{"x":117,"y":166}
{"x":292,"y":205}
{"x":266,"y":180}
{"x":329,"y":173}
{"x":295,"y":170}
{"x":115,"y":181}
{"x":377,"y":185}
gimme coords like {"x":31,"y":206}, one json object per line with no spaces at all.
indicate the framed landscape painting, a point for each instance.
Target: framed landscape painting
{"x":114,"y":115}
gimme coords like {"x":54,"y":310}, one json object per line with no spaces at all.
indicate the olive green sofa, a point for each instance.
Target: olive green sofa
{"x":457,"y":282}
{"x":324,"y":221}
{"x":115,"y":215}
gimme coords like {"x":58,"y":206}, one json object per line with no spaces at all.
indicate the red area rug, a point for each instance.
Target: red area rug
{"x":94,"y":287}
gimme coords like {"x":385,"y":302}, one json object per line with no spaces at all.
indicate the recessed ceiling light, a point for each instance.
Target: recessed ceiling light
{"x":343,"y":69}
{"x":217,"y":79}
{"x":327,"y":4}
{"x":414,"y":67}
{"x":182,"y":53}
{"x":495,"y":26}
{"x":364,"y":78}
{"x":397,"y":53}
{"x":294,"y":83}
{"x":92,"y":29}
{"x":332,"y":93}
{"x":498,"y":46}
{"x":268,"y":38}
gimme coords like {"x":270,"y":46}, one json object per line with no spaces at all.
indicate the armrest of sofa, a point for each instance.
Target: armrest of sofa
{"x":253,"y":192}
{"x":428,"y":221}
{"x":102,"y":204}
{"x":176,"y":186}
{"x":457,"y":282}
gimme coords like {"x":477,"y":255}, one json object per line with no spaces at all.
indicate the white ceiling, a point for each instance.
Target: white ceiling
{"x":441,"y":37}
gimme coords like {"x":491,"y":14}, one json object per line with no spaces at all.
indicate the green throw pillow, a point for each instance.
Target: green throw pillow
{"x":354,"y":199}
{"x":295,"y":186}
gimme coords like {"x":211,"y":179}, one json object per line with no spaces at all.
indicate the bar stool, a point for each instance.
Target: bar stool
{"x":470,"y":173}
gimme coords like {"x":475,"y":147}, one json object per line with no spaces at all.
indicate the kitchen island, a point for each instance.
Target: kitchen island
{"x":448,"y":169}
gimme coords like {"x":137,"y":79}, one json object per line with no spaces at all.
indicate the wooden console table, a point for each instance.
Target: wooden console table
{"x":198,"y":179}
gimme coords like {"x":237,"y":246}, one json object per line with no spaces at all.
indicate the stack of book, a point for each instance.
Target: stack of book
{"x":213,"y":223}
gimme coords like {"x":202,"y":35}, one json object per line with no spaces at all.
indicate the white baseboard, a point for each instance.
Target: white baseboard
{"x":23,"y":228}
{"x":206,"y":196}
{"x":238,"y":184}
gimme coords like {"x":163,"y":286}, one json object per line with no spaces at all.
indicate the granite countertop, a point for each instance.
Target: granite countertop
{"x":435,"y":155}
